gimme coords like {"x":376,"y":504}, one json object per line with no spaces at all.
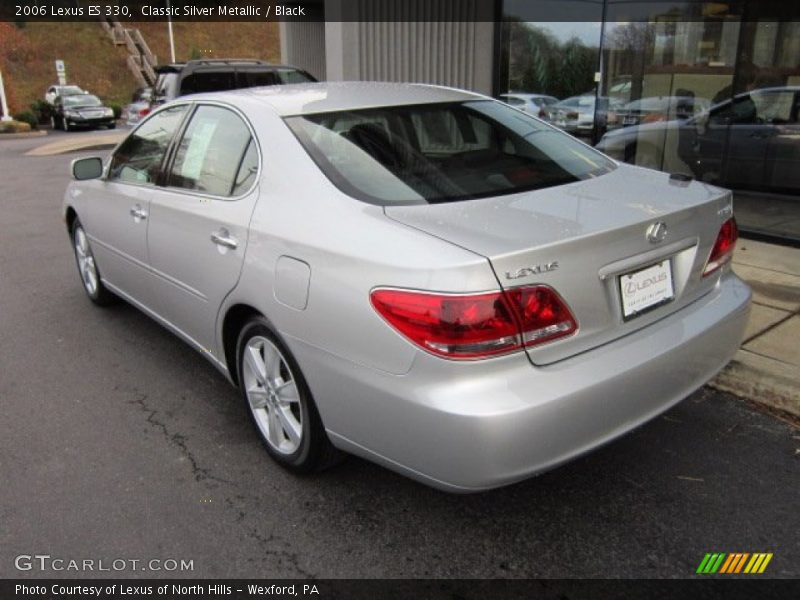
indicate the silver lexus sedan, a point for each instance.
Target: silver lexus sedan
{"x":417,"y":275}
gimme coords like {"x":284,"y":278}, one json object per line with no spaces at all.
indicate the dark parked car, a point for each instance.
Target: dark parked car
{"x":81,"y":110}
{"x":54,"y":91}
{"x":197,"y":76}
{"x":749,"y":142}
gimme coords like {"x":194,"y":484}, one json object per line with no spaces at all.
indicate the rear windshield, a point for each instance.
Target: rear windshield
{"x":442,"y":152}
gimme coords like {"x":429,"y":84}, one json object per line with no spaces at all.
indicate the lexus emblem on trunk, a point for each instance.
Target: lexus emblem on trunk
{"x":656,"y":232}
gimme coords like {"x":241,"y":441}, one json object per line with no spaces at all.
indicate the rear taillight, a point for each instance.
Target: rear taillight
{"x":722,"y":252}
{"x":143,"y":112}
{"x":476,"y":325}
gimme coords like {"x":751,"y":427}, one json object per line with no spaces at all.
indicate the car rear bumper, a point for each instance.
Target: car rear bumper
{"x":469,"y":426}
{"x":91,"y":122}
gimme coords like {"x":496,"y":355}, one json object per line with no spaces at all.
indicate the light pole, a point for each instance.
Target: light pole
{"x":171,"y":38}
{"x":3,"y":103}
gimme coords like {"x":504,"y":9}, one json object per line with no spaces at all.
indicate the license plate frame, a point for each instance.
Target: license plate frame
{"x":646,"y":289}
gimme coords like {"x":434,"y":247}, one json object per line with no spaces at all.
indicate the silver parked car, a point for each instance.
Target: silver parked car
{"x":421,"y":276}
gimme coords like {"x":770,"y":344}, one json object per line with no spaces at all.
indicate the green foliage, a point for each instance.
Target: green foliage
{"x":29,"y":117}
{"x":117,"y":108}
{"x":14,"y":127}
{"x":540,"y":63}
{"x":42,"y":110}
{"x":195,"y":53}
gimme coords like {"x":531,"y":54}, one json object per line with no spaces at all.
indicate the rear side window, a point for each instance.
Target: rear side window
{"x":215,"y":147}
{"x":209,"y":81}
{"x":257,"y":78}
{"x":138,"y":159}
{"x":442,"y":152}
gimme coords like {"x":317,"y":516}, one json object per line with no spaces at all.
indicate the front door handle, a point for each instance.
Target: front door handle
{"x":138,"y":213}
{"x":225,"y":239}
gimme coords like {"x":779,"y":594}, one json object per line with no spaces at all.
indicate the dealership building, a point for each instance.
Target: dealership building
{"x":706,"y":88}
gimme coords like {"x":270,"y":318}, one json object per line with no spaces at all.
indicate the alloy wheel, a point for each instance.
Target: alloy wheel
{"x":272,"y":394}
{"x":86,"y":264}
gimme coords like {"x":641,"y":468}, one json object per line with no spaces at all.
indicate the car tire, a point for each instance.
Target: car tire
{"x":112,"y":126}
{"x":87,"y":268}
{"x":279,"y":401}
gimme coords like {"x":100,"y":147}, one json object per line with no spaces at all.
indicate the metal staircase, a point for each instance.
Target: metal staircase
{"x":141,"y":61}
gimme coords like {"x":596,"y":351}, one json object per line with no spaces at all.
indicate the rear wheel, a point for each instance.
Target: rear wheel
{"x":279,"y":401}
{"x":87,"y":268}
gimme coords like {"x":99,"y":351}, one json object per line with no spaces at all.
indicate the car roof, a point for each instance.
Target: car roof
{"x":311,"y":98}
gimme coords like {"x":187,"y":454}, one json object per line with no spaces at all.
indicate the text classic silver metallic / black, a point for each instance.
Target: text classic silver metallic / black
{"x":418,"y":275}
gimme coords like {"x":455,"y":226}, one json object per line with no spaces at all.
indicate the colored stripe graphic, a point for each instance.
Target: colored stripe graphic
{"x":733,"y":563}
{"x":727,"y":564}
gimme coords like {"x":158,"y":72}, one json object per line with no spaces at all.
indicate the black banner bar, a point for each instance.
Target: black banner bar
{"x":730,"y":588}
{"x":388,"y":10}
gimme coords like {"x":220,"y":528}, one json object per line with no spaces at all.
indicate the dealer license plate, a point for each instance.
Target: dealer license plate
{"x":645,"y":289}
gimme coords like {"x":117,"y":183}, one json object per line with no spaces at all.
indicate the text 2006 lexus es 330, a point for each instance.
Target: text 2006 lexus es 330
{"x":421,"y":276}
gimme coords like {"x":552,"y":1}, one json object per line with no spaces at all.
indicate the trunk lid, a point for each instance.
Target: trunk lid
{"x":584,"y":239}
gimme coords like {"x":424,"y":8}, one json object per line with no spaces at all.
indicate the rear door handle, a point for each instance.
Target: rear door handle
{"x":225,"y":239}
{"x":137,"y":212}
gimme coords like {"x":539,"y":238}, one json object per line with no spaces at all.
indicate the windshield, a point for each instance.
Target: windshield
{"x":82,"y":100}
{"x":442,"y":152}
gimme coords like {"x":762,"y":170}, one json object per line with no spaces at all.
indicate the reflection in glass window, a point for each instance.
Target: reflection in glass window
{"x":138,"y":159}
{"x":210,"y":152}
{"x":442,"y":152}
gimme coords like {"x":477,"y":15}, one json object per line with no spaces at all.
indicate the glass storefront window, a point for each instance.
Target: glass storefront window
{"x":710,"y":89}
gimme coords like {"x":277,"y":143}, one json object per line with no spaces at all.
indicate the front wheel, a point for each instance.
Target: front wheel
{"x":279,"y":401}
{"x":87,"y":268}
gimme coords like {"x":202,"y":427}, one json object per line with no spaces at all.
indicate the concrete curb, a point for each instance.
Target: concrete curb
{"x":761,"y":379}
{"x":84,"y":143}
{"x":22,"y":135}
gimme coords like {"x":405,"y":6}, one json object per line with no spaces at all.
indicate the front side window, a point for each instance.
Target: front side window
{"x":442,"y":152}
{"x":215,"y":147}
{"x":138,"y":159}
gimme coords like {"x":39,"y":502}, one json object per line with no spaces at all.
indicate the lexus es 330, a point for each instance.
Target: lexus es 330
{"x":421,"y":276}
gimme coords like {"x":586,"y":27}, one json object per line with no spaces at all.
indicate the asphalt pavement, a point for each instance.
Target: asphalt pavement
{"x":120,"y":442}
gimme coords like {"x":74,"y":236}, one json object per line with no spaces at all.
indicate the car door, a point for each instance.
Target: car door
{"x":198,"y":226}
{"x":119,"y":204}
{"x":748,"y":140}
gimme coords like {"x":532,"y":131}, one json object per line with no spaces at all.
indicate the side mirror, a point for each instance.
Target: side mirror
{"x":87,"y":168}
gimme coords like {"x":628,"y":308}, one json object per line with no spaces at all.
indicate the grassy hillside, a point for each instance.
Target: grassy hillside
{"x":27,"y":54}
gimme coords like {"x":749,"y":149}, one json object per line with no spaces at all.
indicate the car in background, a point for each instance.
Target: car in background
{"x":660,"y":108}
{"x":219,"y":75}
{"x":750,"y":142}
{"x":421,"y":276}
{"x":54,"y":91}
{"x":81,"y":110}
{"x":535,"y":104}
{"x":579,"y":115}
{"x":139,"y":107}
